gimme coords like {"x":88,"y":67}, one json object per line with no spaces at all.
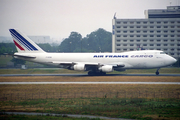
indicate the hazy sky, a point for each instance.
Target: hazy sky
{"x":57,"y":18}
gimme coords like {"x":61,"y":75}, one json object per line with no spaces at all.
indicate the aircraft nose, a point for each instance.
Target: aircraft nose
{"x":172,"y":60}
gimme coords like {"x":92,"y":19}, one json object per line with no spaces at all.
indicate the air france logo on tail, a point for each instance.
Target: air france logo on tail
{"x":21,"y":42}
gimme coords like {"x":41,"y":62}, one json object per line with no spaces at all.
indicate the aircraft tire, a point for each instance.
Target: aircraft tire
{"x":157,"y":73}
{"x":96,"y":73}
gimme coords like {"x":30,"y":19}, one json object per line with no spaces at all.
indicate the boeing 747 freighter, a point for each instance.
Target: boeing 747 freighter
{"x":94,"y":63}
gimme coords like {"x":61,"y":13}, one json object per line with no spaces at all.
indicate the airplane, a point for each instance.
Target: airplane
{"x":94,"y":63}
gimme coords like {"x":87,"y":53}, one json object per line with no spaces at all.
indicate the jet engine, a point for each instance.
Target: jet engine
{"x":106,"y":68}
{"x":80,"y":67}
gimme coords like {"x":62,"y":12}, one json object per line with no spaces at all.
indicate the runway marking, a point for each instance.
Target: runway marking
{"x":15,"y":83}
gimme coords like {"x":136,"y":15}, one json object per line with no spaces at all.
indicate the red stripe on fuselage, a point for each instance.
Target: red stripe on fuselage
{"x":18,"y":45}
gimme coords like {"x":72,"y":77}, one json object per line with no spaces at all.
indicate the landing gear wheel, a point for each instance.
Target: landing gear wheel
{"x":96,"y":73}
{"x":157,"y":73}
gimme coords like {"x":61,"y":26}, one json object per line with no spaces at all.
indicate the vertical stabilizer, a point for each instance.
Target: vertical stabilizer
{"x":23,"y":43}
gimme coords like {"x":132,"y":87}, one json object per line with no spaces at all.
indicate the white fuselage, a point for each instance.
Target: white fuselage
{"x":131,"y":60}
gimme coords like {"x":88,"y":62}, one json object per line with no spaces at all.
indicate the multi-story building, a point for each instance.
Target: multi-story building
{"x":160,"y":30}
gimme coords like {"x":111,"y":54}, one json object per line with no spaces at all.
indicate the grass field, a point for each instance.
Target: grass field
{"x":120,"y":101}
{"x":39,"y":117}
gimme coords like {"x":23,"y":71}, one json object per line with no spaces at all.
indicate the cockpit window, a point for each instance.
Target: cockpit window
{"x":162,"y":53}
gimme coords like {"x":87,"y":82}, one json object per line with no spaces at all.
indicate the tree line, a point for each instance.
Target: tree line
{"x":97,"y":41}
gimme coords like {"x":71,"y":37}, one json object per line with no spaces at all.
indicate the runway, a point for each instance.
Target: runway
{"x":23,"y":83}
{"x":81,"y":75}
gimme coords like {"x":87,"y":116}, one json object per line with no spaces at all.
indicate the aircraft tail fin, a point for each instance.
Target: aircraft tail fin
{"x":23,"y":43}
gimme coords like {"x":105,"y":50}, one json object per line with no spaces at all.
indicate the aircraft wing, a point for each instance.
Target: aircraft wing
{"x":88,"y":65}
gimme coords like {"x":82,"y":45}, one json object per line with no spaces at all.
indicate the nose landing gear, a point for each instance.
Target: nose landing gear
{"x":157,"y":71}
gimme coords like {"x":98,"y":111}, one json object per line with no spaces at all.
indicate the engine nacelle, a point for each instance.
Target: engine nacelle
{"x":106,"y":68}
{"x":80,"y":67}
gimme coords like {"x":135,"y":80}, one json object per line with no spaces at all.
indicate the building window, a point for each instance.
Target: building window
{"x":118,"y":31}
{"x":172,"y":35}
{"x":144,"y":44}
{"x":138,"y":35}
{"x":158,"y":26}
{"x":131,"y":44}
{"x":138,"y":40}
{"x":165,"y":40}
{"x":124,"y":26}
{"x":151,"y":35}
{"x":165,"y":26}
{"x":118,"y":22}
{"x":131,"y":40}
{"x":144,"y":31}
{"x":144,"y":35}
{"x":158,"y":49}
{"x":158,"y":22}
{"x":165,"y":49}
{"x":165,"y":35}
{"x":124,"y":31}
{"x":118,"y":49}
{"x":172,"y":22}
{"x":131,"y":35}
{"x":118,"y":27}
{"x":165,"y":44}
{"x":118,"y":44}
{"x":151,"y":40}
{"x":131,"y":26}
{"x":124,"y":40}
{"x":118,"y":36}
{"x":138,"y":31}
{"x":172,"y":31}
{"x":131,"y":31}
{"x":124,"y":44}
{"x":151,"y":26}
{"x":138,"y":27}
{"x":158,"y":44}
{"x":151,"y":31}
{"x":131,"y":49}
{"x":165,"y":22}
{"x":172,"y":49}
{"x":172,"y":26}
{"x":172,"y":40}
{"x":151,"y":44}
{"x":124,"y":22}
{"x":172,"y":53}
{"x":151,"y":22}
{"x":144,"y":22}
{"x":144,"y":26}
{"x":158,"y":35}
{"x":158,"y":40}
{"x":131,"y":22}
{"x":165,"y":31}
{"x":118,"y":40}
{"x":144,"y":40}
{"x":138,"y":22}
{"x":158,"y":31}
{"x":124,"y":35}
{"x":172,"y":44}
{"x":124,"y":49}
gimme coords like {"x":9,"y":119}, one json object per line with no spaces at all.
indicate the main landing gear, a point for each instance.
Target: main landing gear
{"x":96,"y":73}
{"x":157,"y":71}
